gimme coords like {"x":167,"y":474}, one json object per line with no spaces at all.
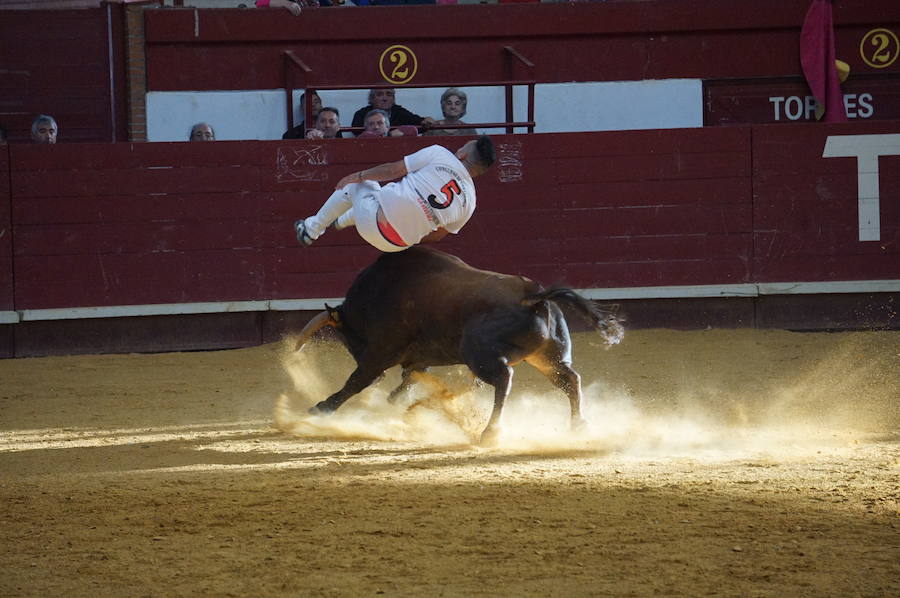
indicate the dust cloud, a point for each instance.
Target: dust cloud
{"x":828,"y":401}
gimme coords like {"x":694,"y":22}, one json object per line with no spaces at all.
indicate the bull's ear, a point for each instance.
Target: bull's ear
{"x":333,"y":313}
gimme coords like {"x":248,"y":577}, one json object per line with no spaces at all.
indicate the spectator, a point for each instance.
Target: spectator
{"x":384,"y":100}
{"x":328,"y":124}
{"x":378,"y":124}
{"x":453,"y":105}
{"x":44,"y":129}
{"x":299,"y":132}
{"x":202,"y":132}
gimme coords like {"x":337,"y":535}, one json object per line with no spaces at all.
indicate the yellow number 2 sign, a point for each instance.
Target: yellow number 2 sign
{"x":398,"y":64}
{"x":879,"y":48}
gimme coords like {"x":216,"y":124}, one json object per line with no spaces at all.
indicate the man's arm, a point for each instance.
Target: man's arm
{"x":383,"y":172}
{"x":407,"y":130}
{"x":402,"y":116}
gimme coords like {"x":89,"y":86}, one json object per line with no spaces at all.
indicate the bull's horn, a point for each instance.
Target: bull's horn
{"x":319,"y":321}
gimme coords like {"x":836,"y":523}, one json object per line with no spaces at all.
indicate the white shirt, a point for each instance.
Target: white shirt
{"x":437,"y":192}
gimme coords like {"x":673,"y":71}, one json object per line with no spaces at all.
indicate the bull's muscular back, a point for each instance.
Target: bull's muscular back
{"x":412,"y":306}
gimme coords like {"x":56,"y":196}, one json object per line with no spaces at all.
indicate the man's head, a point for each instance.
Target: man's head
{"x":382,"y":98}
{"x":453,"y":103}
{"x":329,"y":122}
{"x":44,"y":129}
{"x":316,"y":104}
{"x":378,"y":121}
{"x":202,"y":132}
{"x":478,"y":155}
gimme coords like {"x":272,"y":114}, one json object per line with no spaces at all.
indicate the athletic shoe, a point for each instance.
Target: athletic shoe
{"x":302,"y":236}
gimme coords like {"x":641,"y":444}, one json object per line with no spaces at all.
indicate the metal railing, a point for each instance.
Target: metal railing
{"x":293,"y":64}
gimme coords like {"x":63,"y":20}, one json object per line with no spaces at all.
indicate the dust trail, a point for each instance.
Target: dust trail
{"x":827,"y":405}
{"x":321,"y":368}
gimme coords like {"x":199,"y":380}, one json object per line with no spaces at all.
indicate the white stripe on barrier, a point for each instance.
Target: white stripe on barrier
{"x":617,"y":294}
{"x":745,"y":290}
{"x":841,"y":286}
{"x":125,"y":311}
{"x":675,"y":292}
{"x":303,"y":304}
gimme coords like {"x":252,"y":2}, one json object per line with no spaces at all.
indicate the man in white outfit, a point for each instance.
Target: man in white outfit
{"x":435,"y":195}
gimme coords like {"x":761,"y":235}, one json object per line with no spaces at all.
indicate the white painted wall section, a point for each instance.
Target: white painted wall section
{"x":559,"y":107}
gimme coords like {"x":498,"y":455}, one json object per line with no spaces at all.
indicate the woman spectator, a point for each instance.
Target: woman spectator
{"x":453,"y":106}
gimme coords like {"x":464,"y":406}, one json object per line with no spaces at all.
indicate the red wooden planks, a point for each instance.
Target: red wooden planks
{"x":134,"y":224}
{"x":6,"y":260}
{"x":806,"y":207}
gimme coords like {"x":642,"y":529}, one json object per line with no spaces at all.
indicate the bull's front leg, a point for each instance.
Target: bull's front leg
{"x":356,"y":383}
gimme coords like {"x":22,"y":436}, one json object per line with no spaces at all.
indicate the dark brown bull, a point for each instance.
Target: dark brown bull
{"x":422,"y":307}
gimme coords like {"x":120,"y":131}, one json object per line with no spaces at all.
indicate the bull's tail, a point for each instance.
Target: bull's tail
{"x":606,"y":322}
{"x":329,"y":317}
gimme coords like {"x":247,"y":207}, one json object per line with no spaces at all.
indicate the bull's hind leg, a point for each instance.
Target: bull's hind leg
{"x":497,"y":372}
{"x":554,"y":360}
{"x":566,"y":379}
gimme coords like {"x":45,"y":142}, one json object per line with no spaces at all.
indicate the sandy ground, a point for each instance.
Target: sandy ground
{"x":731,"y":463}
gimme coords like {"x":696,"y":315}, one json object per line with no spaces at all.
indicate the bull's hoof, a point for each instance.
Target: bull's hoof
{"x":490,"y":437}
{"x":321,"y":408}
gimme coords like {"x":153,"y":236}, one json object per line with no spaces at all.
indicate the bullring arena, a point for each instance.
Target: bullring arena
{"x":663,"y":156}
{"x":719,"y":462}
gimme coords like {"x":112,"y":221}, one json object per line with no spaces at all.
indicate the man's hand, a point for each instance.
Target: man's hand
{"x":383,"y":172}
{"x":315,"y":134}
{"x":356,"y":177}
{"x":434,"y":236}
{"x":427,"y":122}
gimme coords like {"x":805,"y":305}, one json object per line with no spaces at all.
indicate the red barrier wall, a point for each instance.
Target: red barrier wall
{"x":614,"y":209}
{"x":187,"y":223}
{"x":6,"y":233}
{"x":7,"y":344}
{"x":101,"y":225}
{"x":805,"y":212}
{"x":161,"y":223}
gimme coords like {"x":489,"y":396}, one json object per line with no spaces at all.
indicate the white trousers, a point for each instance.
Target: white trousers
{"x":356,"y":204}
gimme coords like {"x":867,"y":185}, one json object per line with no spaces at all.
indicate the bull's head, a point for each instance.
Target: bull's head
{"x":329,"y":317}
